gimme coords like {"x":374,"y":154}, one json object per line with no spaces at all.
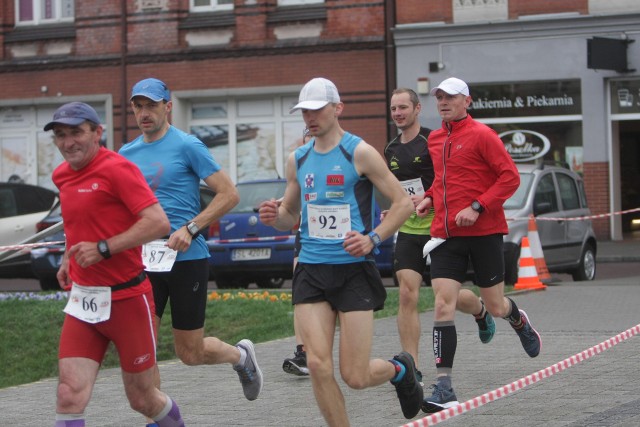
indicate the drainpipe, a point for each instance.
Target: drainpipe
{"x":123,"y":71}
{"x":390,"y":60}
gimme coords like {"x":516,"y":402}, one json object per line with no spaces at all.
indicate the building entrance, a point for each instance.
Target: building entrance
{"x":629,"y":132}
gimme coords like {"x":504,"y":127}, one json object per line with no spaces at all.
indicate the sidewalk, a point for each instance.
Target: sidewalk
{"x":603,"y":390}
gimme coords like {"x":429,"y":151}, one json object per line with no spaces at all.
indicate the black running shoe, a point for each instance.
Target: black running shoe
{"x":297,"y":365}
{"x":408,"y":388}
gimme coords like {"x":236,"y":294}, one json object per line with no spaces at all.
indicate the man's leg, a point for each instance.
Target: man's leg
{"x":145,"y":398}
{"x":316,"y":324}
{"x":469,"y":303}
{"x":408,"y":316}
{"x":77,"y":376}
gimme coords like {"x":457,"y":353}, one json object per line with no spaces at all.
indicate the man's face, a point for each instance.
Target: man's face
{"x":403,"y":113}
{"x":452,"y":107}
{"x":151,"y":116}
{"x":321,"y":121}
{"x":77,"y":144}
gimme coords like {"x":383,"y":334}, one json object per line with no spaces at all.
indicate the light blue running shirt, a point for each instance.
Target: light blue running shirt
{"x":173,"y":167}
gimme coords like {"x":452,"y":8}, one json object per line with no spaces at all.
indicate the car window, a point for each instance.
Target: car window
{"x":34,"y":199}
{"x":254,"y":193}
{"x":519,"y":198}
{"x":568,"y":192}
{"x":546,"y":194}
{"x":8,"y":206}
{"x":583,"y":194}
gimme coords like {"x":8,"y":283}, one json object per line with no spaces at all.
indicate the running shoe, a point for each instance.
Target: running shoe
{"x":408,"y":388}
{"x":486,"y":327}
{"x":442,"y":398}
{"x":297,"y":365}
{"x":529,"y":337}
{"x":250,"y":374}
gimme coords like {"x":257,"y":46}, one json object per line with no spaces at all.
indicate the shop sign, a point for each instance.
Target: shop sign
{"x":525,"y":145}
{"x":625,"y":97}
{"x":545,"y":98}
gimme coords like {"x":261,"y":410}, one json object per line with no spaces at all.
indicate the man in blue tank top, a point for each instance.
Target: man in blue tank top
{"x":330,"y":184}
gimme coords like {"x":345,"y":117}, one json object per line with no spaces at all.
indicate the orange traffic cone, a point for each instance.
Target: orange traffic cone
{"x":527,"y":275}
{"x":536,"y":251}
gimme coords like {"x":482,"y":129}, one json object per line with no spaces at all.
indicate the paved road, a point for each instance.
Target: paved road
{"x":571,"y":317}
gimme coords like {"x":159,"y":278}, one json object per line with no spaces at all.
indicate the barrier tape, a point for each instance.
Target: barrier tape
{"x":577,"y":218}
{"x":28,"y":246}
{"x":505,"y":390}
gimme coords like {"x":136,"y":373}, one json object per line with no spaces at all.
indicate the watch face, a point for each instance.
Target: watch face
{"x":192,"y":227}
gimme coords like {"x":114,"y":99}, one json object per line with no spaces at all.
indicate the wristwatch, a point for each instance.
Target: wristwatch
{"x":375,"y":239}
{"x":476,"y":206}
{"x":192,"y":228}
{"x":103,"y":249}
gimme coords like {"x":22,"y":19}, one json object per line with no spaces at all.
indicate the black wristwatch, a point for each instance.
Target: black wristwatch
{"x":192,"y":228}
{"x":476,"y":206}
{"x":103,"y":249}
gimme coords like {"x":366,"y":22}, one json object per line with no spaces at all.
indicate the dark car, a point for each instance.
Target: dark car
{"x":248,"y":251}
{"x":46,"y":260}
{"x":22,"y":206}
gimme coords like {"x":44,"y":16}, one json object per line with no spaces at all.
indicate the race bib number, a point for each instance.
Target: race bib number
{"x":91,"y":304}
{"x":330,"y":222}
{"x":158,"y":257}
{"x":413,"y":187}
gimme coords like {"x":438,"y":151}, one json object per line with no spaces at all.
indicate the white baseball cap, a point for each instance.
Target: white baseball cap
{"x":316,"y":94}
{"x":452,"y":86}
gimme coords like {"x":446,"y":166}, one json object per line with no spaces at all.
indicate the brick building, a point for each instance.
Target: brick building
{"x":562,"y":75}
{"x":235,"y":67}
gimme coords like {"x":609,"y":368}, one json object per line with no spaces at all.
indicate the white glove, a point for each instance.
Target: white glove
{"x":431,"y":245}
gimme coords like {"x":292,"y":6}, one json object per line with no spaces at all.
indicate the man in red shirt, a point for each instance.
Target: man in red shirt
{"x":474,"y":175}
{"x":108,"y":211}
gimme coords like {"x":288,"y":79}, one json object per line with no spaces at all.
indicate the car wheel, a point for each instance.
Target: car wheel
{"x":229,"y":282}
{"x":49,"y":284}
{"x":272,"y":283}
{"x":587,"y":267}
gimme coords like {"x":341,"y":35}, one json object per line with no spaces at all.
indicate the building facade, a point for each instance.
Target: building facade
{"x":558,"y":80}
{"x":234,"y":67}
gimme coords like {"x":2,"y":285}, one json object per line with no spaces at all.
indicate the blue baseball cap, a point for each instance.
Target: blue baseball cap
{"x":73,"y":114}
{"x":151,"y":88}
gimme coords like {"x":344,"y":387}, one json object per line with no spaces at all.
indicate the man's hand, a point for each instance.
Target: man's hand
{"x":466,"y":217}
{"x":85,"y":253}
{"x":63,"y":274}
{"x":268,"y":211}
{"x":422,"y":209}
{"x":357,"y":244}
{"x":180,"y":240}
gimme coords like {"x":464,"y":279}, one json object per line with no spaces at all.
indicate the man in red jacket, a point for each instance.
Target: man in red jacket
{"x":474,"y":175}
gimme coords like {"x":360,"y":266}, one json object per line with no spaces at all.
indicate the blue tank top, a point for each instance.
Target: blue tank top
{"x":330,"y":179}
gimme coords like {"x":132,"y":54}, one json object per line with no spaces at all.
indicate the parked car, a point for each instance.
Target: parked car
{"x":555,"y":196}
{"x":45,"y":261}
{"x":22,"y":206}
{"x":248,"y":251}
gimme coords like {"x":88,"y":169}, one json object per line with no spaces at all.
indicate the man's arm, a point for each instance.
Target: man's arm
{"x":283,"y":215}
{"x":152,"y":223}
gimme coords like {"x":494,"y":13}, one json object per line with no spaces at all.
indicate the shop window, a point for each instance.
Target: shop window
{"x":210,"y":5}
{"x":36,"y":12}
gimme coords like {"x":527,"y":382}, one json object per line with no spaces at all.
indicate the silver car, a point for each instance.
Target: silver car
{"x":556,"y":198}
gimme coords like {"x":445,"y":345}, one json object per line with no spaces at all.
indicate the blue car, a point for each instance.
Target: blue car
{"x":247,"y":251}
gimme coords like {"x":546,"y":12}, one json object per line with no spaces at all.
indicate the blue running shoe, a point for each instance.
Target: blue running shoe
{"x":442,"y":398}
{"x":529,"y":337}
{"x":486,"y":327}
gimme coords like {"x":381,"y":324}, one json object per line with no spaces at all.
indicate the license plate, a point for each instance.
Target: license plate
{"x":250,"y":254}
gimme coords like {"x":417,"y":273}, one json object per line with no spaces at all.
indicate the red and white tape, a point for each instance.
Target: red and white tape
{"x":578,"y":218}
{"x":28,"y":246}
{"x":505,"y":390}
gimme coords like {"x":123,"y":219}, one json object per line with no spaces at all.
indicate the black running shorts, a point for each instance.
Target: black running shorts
{"x":408,"y":252}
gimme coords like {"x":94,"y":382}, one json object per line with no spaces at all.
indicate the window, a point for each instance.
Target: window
{"x":545,"y":198}
{"x":568,"y":192}
{"x":210,"y":5}
{"x":298,"y":2}
{"x":34,"y":12}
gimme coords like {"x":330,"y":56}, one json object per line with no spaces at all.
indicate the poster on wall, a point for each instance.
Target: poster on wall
{"x":573,"y":156}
